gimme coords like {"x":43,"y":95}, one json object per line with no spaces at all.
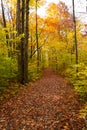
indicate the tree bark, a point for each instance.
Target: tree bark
{"x":37,"y":43}
{"x":75,"y":35}
{"x":22,"y":28}
{"x":26,"y":42}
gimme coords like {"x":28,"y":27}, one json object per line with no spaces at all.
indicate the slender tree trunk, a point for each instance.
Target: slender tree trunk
{"x":22,"y":41}
{"x":18,"y":28}
{"x":5,"y":25}
{"x":26,"y":42}
{"x":37,"y":37}
{"x":75,"y":34}
{"x":31,"y":48}
{"x":18,"y":18}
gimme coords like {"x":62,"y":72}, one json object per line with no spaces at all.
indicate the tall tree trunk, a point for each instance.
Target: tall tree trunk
{"x":22,"y":28}
{"x":22,"y":41}
{"x":18,"y":28}
{"x":26,"y":42}
{"x":37,"y":44}
{"x":75,"y":35}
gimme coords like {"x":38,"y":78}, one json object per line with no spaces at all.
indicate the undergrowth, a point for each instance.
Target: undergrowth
{"x":8,"y":76}
{"x":79,"y":81}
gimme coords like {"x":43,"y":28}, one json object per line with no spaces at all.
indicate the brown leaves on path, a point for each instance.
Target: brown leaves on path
{"x":49,"y":104}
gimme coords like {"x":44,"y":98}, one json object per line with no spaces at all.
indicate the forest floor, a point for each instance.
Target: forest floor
{"x":48,"y":104}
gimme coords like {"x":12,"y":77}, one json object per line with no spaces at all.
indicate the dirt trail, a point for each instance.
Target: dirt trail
{"x":49,"y":104}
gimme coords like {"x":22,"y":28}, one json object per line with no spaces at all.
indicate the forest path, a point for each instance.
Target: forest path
{"x":48,"y":104}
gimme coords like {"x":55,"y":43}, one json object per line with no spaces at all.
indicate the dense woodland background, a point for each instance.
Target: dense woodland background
{"x":29,"y":43}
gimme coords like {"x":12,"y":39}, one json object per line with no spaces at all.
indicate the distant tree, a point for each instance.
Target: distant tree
{"x":37,"y":3}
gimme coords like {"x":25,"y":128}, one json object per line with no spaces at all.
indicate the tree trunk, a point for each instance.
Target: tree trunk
{"x":37,"y":44}
{"x":18,"y":28}
{"x":22,"y":28}
{"x":26,"y":42}
{"x":75,"y":36}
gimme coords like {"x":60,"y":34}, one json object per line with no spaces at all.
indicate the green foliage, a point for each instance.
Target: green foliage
{"x":63,"y":62}
{"x":79,"y":79}
{"x":2,"y":36}
{"x":8,"y":68}
{"x":8,"y":71}
{"x":60,"y":61}
{"x":32,"y":70}
{"x":8,"y":65}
